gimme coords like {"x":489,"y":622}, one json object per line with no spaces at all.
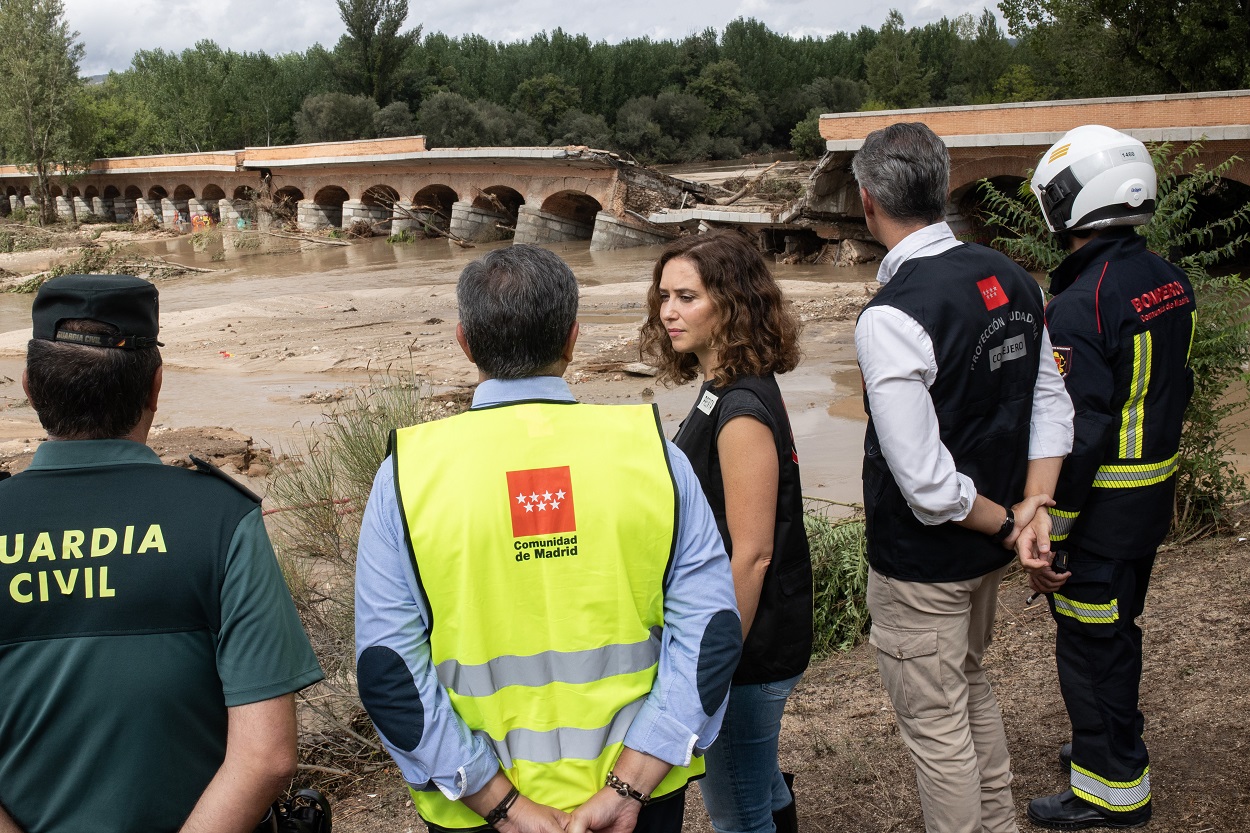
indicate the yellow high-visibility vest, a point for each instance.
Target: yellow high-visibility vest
{"x":541,"y":533}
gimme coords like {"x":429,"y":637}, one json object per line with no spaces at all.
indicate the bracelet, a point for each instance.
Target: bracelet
{"x":623,"y":789}
{"x":1008,"y":527}
{"x":501,"y":809}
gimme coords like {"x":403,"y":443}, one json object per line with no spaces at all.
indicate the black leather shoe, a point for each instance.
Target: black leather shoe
{"x":1065,"y":755}
{"x":1067,"y":812}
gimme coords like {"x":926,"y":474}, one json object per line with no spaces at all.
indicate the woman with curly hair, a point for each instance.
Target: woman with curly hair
{"x":715,"y":310}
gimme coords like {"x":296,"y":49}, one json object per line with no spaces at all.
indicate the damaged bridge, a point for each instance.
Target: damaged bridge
{"x":531,"y":195}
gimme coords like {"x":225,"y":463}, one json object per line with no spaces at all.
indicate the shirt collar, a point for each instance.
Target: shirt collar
{"x":78,"y":454}
{"x":502,"y":391}
{"x":930,"y":240}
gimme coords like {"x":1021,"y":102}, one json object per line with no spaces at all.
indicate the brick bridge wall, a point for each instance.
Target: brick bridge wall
{"x":1006,"y":140}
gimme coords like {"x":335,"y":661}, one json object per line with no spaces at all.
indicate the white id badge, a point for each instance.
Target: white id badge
{"x":708,"y":402}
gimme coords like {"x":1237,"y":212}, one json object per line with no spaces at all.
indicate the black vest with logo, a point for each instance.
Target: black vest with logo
{"x":984,"y":315}
{"x":779,"y":645}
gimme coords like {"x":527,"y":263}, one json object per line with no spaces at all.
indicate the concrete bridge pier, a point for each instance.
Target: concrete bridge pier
{"x":311,"y":216}
{"x":533,"y":225}
{"x":469,"y":222}
{"x":613,"y":233}
{"x":102,"y":207}
{"x":369,"y":212}
{"x":81,"y":207}
{"x":62,"y":208}
{"x":402,"y":219}
{"x":30,"y":203}
{"x":226,"y":211}
{"x":123,"y":209}
{"x":15,"y":202}
{"x":143,"y":209}
{"x":200,"y":208}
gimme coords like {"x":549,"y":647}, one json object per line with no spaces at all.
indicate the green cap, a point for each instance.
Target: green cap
{"x":124,"y":301}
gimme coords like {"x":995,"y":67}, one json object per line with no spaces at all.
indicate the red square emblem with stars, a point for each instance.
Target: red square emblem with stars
{"x":992,"y":292}
{"x":541,"y":501}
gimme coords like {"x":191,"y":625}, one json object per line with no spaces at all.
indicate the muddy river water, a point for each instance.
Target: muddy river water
{"x":274,"y":334}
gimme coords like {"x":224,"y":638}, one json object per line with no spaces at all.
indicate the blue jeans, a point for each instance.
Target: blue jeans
{"x":743,"y":785}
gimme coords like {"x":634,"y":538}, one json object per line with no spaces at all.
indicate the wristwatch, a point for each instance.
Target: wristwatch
{"x":1009,"y":526}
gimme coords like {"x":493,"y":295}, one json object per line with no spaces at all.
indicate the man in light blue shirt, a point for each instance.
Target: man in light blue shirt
{"x":518,"y":324}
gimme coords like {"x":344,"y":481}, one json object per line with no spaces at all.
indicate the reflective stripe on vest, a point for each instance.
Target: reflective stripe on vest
{"x":541,"y":544}
{"x":1090,"y":614}
{"x":1116,"y":796}
{"x":549,"y":667}
{"x":1134,"y":414}
{"x":1061,"y":524}
{"x":1132,"y":476}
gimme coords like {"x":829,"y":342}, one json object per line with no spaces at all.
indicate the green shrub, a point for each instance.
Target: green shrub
{"x":839,"y":577}
{"x":318,"y":495}
{"x":404,"y":236}
{"x":1207,"y":480}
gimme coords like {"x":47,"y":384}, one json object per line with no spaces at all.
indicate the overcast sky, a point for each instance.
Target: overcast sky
{"x":113,"y":30}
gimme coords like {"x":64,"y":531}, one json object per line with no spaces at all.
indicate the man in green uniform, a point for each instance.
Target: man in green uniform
{"x":149,"y":648}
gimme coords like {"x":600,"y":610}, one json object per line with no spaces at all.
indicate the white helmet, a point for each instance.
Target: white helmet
{"x":1095,"y":177}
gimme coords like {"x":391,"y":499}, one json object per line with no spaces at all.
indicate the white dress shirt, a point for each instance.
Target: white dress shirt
{"x":898,"y":364}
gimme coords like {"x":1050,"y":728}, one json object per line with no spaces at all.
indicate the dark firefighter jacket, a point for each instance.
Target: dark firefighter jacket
{"x":1121,"y":322}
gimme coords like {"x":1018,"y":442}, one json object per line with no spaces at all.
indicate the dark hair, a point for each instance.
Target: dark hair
{"x":517,"y":306}
{"x":905,"y":168}
{"x":756,"y":332}
{"x":89,"y":393}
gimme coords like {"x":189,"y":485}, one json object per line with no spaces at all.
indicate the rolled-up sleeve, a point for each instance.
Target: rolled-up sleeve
{"x":398,"y":685}
{"x":898,"y":364}
{"x":702,"y":637}
{"x":1050,"y":428}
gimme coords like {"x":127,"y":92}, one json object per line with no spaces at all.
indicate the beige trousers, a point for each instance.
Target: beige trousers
{"x":930,"y":639}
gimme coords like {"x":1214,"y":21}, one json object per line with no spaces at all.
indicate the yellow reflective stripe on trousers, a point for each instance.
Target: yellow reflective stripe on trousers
{"x":1061,"y":524}
{"x":563,"y":742}
{"x":1090,"y":614}
{"x":1143,"y":474}
{"x":1134,"y":414}
{"x":1116,"y":796}
{"x":575,"y":667}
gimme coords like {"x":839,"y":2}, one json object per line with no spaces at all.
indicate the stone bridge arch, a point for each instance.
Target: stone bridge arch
{"x":564,"y":215}
{"x":491,"y":214}
{"x":325,"y":209}
{"x":376,"y":207}
{"x":432,"y":206}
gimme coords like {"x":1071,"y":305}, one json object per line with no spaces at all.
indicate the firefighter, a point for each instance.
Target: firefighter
{"x":1121,"y":322}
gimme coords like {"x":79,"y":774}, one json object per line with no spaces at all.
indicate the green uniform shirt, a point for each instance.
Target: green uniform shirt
{"x":137,"y":603}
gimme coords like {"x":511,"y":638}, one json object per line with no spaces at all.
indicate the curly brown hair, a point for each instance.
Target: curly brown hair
{"x":756,"y":331}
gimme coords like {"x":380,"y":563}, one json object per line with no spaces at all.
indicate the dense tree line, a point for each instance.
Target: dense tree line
{"x":709,"y":95}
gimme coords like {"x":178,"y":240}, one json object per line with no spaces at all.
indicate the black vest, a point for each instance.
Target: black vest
{"x":779,"y":645}
{"x":984,"y":315}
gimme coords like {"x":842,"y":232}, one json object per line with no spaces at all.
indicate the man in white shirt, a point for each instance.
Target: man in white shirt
{"x":967,"y":416}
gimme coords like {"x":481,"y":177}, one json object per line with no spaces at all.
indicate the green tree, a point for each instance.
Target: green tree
{"x":373,"y":49}
{"x":39,"y":57}
{"x":805,"y":138}
{"x":395,"y":119}
{"x":336,"y":117}
{"x":1169,"y":46}
{"x":721,"y":87}
{"x":546,"y":98}
{"x":1018,"y":84}
{"x":893,"y":67}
